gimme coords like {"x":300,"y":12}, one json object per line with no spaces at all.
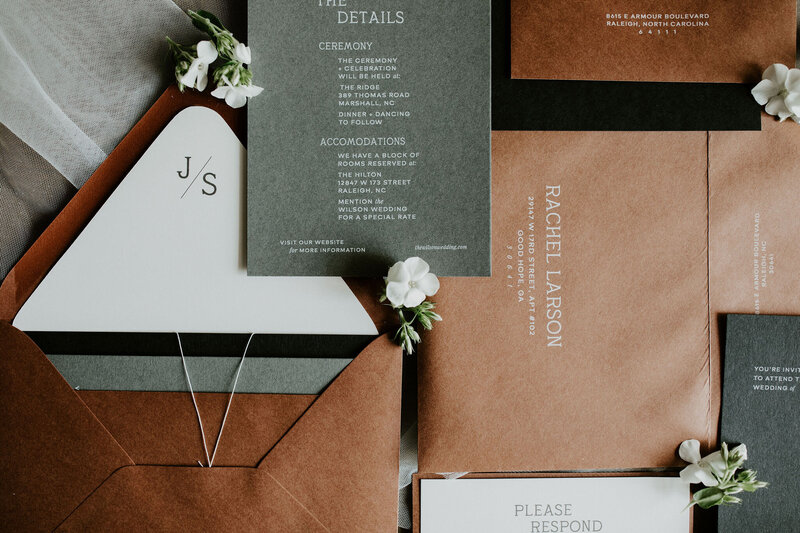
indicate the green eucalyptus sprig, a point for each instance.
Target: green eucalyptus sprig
{"x":209,"y":24}
{"x":406,"y":335}
{"x":721,"y":472}
{"x":408,"y":284}
{"x":232,"y":74}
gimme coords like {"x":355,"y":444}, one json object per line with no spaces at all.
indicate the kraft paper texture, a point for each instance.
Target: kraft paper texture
{"x":618,"y":375}
{"x":651,"y":40}
{"x":559,"y":105}
{"x":662,"y":235}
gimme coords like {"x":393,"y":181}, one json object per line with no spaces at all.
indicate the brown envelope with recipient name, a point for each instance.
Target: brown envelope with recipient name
{"x":588,"y":346}
{"x":120,"y":460}
{"x":651,"y":40}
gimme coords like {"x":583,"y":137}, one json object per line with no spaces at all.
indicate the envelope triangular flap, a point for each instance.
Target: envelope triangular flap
{"x":54,"y":451}
{"x":59,"y":453}
{"x":161,"y":427}
{"x":338,"y":458}
{"x":166,"y":253}
{"x":329,"y":473}
{"x":156,"y":498}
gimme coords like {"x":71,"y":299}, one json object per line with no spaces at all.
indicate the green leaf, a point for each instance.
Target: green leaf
{"x":708,"y":497}
{"x":752,"y":486}
{"x":729,"y":500}
{"x":212,"y":17}
{"x":434,"y":316}
{"x":409,"y":346}
{"x":206,"y":22}
{"x":173,"y":46}
{"x":748,"y":482}
{"x":180,"y":52}
{"x":246,"y":75}
{"x":425,"y":321}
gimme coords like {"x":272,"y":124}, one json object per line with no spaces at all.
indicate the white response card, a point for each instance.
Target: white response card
{"x":555,"y":505}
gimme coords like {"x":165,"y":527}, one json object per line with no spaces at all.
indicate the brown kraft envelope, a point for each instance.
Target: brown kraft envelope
{"x":755,"y":227}
{"x":649,"y":40}
{"x":645,"y":373}
{"x":89,"y":460}
{"x":588,"y":346}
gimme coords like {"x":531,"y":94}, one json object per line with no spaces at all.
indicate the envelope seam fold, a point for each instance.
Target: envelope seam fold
{"x":91,"y":493}
{"x":77,"y":397}
{"x":292,"y":496}
{"x":9,"y":296}
{"x":709,"y":379}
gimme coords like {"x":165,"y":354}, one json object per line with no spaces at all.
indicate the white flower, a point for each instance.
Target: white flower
{"x":197,"y":75}
{"x":242,"y":53}
{"x":779,"y":91}
{"x":409,"y":282}
{"x":235,"y":95}
{"x":792,"y":100}
{"x":705,"y":470}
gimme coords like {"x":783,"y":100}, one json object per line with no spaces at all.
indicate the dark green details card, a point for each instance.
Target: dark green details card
{"x":371,"y":141}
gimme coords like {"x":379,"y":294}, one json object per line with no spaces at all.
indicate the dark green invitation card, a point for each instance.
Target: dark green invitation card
{"x":371,"y":141}
{"x":761,"y":408}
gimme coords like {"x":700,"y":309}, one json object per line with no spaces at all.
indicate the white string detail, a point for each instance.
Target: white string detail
{"x":210,"y":459}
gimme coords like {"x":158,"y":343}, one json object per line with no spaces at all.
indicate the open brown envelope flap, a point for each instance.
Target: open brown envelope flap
{"x":58,"y":451}
{"x":160,"y":428}
{"x":153,"y":498}
{"x":332,"y":471}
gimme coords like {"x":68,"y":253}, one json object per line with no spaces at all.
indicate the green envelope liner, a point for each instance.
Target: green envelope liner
{"x":261,"y":375}
{"x":275,"y":364}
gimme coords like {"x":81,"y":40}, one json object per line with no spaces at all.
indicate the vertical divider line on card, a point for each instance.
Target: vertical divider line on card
{"x":195,"y":178}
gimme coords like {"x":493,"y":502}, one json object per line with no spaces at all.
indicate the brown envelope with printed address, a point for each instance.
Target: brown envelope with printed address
{"x":754,"y":224}
{"x":118,"y":460}
{"x":588,"y":346}
{"x":651,"y":40}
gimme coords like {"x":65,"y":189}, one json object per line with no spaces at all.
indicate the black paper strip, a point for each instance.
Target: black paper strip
{"x":200,"y":344}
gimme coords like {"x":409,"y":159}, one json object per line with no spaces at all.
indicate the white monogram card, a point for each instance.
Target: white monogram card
{"x":166,"y":252}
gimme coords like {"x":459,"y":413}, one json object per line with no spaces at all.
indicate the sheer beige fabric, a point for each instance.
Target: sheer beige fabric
{"x":73,"y":81}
